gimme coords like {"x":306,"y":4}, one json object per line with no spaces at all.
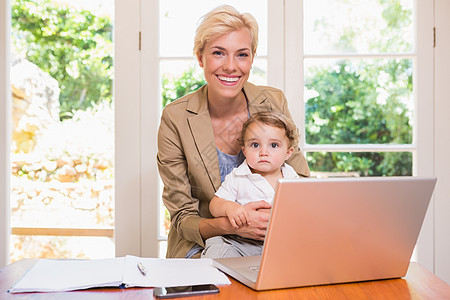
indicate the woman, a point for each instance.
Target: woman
{"x":198,"y":135}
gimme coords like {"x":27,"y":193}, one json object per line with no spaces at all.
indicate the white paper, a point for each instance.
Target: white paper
{"x":49,"y":275}
{"x":172,"y":272}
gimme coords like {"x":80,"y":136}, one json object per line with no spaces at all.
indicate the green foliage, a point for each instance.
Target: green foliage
{"x":348,"y":110}
{"x":74,"y":46}
{"x":364,"y":102}
{"x":176,"y":87}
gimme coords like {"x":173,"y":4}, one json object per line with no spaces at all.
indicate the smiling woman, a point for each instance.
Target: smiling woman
{"x":198,"y":136}
{"x":226,"y":61}
{"x":181,"y":73}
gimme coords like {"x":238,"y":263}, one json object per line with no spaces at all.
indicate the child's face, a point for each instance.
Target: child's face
{"x":266,"y":148}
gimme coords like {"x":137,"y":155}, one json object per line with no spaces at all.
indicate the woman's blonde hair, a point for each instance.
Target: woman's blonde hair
{"x":222,"y":20}
{"x":276,"y":120}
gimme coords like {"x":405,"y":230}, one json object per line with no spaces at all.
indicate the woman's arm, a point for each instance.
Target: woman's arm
{"x":173,"y":167}
{"x":259,"y":218}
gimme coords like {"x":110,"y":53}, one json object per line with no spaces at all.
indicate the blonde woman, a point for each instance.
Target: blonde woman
{"x":198,"y":135}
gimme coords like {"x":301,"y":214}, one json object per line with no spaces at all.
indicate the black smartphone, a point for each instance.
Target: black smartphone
{"x":184,"y":291}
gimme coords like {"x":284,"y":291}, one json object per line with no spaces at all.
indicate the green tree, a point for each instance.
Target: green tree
{"x":73,"y":45}
{"x":347,"y":107}
{"x":176,"y":87}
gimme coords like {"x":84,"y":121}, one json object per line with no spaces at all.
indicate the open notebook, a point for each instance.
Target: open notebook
{"x":326,"y":231}
{"x":58,"y":275}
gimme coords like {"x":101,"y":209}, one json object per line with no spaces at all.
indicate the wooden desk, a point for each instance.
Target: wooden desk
{"x":417,"y":284}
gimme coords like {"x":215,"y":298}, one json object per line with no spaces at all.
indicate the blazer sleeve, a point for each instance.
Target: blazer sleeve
{"x":177,"y":195}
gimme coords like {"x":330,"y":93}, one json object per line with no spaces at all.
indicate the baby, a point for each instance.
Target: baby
{"x":268,"y":139}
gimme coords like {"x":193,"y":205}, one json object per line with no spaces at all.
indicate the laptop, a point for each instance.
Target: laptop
{"x":338,"y":230}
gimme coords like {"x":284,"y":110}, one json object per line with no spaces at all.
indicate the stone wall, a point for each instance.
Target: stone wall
{"x":35,"y":103}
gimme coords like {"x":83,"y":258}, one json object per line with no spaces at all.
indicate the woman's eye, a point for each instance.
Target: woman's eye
{"x":217,"y":53}
{"x":243,"y":55}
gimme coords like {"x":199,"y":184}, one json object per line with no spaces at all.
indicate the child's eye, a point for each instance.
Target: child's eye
{"x":254,"y":145}
{"x":274,"y":145}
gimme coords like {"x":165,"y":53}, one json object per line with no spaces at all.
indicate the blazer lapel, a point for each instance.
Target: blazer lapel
{"x":257,"y":101}
{"x":201,"y":127}
{"x":203,"y":134}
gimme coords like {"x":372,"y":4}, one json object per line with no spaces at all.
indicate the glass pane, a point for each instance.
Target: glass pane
{"x":62,"y":147}
{"x":179,"y":20}
{"x":358,"y":101}
{"x":354,"y":26}
{"x":333,"y":164}
{"x":178,"y":78}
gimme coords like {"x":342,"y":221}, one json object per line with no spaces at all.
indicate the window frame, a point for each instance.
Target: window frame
{"x":422,"y":147}
{"x":136,"y":171}
{"x":5,"y":135}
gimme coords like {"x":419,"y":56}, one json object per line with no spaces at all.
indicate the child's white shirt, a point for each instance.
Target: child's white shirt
{"x":242,"y":186}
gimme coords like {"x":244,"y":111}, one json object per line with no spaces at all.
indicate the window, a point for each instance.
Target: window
{"x":62,"y":146}
{"x":290,"y":59}
{"x":358,"y":69}
{"x":357,"y":63}
{"x":138,"y":103}
{"x":410,"y":47}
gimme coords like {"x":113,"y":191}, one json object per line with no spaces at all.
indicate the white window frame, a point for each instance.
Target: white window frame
{"x":5,"y":136}
{"x":423,"y":143}
{"x":137,"y":116}
{"x":442,"y":141}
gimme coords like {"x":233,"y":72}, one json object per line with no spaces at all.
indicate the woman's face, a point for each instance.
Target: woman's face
{"x":226,"y":62}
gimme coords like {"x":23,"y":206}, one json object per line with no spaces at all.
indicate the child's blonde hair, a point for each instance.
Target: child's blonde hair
{"x":273,"y":119}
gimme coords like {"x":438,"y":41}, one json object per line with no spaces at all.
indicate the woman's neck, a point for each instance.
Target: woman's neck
{"x":226,"y":107}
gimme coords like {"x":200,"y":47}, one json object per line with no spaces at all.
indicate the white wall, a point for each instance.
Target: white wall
{"x":442,"y":138}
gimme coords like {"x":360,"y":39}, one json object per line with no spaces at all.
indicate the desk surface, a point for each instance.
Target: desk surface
{"x":417,"y":284}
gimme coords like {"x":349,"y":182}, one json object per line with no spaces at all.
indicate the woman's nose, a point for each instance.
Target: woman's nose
{"x":229,"y":64}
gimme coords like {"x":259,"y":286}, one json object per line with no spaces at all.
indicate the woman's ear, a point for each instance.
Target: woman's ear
{"x":200,"y":60}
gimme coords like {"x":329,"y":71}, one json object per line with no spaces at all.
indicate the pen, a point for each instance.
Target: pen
{"x":142,"y":268}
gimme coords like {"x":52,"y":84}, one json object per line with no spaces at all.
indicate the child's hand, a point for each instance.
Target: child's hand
{"x":238,"y":215}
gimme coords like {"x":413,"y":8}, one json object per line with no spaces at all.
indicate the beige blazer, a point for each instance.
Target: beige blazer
{"x":188,"y":162}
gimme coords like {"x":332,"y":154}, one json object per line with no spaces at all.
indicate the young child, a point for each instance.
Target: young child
{"x":268,"y":140}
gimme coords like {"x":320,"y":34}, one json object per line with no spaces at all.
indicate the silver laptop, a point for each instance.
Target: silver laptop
{"x":327,"y":231}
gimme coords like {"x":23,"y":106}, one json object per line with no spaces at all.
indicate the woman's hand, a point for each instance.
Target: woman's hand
{"x":258,"y":213}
